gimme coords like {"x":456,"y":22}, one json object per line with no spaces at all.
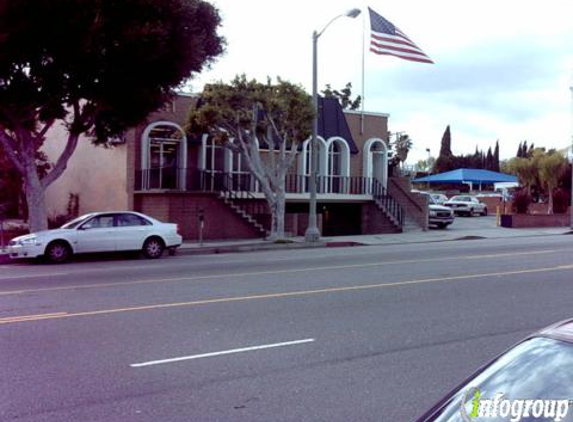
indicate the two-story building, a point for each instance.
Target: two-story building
{"x":160,"y":170}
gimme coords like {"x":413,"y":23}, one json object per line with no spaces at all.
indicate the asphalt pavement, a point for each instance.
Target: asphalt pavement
{"x":330,"y":334}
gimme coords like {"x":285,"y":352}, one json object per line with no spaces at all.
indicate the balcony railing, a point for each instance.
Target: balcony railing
{"x":185,"y":179}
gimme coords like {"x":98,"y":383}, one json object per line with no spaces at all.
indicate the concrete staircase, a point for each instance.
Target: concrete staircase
{"x":394,"y":222}
{"x":243,"y":212}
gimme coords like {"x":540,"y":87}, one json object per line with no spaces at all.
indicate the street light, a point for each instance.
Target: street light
{"x":571,"y":155}
{"x":312,"y":233}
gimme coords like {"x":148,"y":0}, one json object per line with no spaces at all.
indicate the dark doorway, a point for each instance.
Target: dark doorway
{"x":337,"y":219}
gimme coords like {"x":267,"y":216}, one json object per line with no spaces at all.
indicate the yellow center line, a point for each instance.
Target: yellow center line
{"x":272,"y":272}
{"x":28,"y":318}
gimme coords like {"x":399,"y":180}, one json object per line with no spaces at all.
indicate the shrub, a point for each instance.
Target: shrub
{"x":521,"y":201}
{"x":560,"y":201}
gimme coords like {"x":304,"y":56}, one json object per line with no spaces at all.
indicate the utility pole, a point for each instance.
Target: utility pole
{"x":571,"y":158}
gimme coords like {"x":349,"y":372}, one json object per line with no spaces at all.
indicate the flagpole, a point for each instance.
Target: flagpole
{"x":363,"y":59}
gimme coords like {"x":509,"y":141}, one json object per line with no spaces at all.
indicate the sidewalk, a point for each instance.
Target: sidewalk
{"x":417,"y":236}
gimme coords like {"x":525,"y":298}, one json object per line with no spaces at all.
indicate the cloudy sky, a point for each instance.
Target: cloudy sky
{"x":502,"y":68}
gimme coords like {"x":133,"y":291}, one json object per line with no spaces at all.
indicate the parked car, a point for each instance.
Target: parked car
{"x":538,"y":370}
{"x":466,"y":205}
{"x":494,"y":195}
{"x":439,"y":198}
{"x":438,"y":215}
{"x":99,"y":232}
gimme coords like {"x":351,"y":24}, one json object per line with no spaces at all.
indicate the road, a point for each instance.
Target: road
{"x":335,"y":334}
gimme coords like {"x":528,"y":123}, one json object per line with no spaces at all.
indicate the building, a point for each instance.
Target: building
{"x":161,"y":171}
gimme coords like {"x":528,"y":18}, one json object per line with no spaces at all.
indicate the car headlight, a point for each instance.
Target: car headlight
{"x":29,"y":240}
{"x":433,"y":213}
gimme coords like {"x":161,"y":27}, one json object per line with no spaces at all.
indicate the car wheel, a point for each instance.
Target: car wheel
{"x":58,"y":252}
{"x":153,"y":248}
{"x":471,"y":213}
{"x":484,"y":212}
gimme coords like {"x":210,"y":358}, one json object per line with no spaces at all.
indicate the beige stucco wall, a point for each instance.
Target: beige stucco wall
{"x":97,"y":174}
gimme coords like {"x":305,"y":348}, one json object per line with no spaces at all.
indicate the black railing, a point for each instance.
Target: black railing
{"x":382,"y":198}
{"x":185,"y":179}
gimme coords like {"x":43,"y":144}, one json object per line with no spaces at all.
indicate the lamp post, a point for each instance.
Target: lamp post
{"x":312,"y":233}
{"x":571,"y":155}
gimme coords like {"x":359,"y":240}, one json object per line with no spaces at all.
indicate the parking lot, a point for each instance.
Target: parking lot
{"x":463,"y":223}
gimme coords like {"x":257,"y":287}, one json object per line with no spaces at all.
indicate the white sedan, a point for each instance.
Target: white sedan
{"x":99,"y":232}
{"x":466,"y":204}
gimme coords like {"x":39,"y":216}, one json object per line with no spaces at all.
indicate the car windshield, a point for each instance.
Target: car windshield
{"x":537,"y":369}
{"x":431,"y":200}
{"x":77,"y":221}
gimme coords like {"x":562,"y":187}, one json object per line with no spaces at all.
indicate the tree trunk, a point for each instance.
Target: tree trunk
{"x":35,"y":199}
{"x":550,"y":204}
{"x":277,"y":216}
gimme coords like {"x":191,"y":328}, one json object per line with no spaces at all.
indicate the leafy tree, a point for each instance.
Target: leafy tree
{"x":425,"y":165}
{"x":343,"y":96}
{"x":489,"y":160}
{"x":245,"y":114}
{"x":446,"y":160}
{"x":525,"y":170}
{"x":495,"y":166}
{"x":98,"y":66}
{"x":519,"y":153}
{"x":551,"y":166}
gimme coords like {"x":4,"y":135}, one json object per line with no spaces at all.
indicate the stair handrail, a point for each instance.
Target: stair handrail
{"x":382,"y":197}
{"x":234,"y":190}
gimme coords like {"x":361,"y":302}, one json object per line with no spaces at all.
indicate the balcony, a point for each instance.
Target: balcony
{"x":194,"y":180}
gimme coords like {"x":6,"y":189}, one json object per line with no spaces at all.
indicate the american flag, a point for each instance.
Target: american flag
{"x":387,"y":39}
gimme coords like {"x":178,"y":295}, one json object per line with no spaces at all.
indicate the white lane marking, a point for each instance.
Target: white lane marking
{"x":224,"y":352}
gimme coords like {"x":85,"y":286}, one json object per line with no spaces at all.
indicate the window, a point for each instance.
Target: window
{"x":99,"y":222}
{"x":164,"y":156}
{"x":124,"y":220}
{"x":214,"y":164}
{"x":539,"y":368}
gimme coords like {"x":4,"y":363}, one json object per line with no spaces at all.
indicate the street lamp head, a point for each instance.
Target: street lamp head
{"x":352,"y":13}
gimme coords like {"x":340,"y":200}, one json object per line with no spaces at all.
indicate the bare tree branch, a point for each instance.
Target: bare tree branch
{"x":10,"y":147}
{"x":42,"y":133}
{"x":62,"y":162}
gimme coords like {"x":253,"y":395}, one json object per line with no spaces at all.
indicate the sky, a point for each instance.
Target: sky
{"x":503,"y":68}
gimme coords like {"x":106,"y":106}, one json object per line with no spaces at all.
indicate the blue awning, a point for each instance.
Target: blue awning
{"x":475,"y":176}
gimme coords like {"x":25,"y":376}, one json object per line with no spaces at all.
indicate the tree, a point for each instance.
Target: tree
{"x":446,"y":160}
{"x":426,"y":165}
{"x":99,"y":67}
{"x":525,"y":170}
{"x":496,"y":157}
{"x":245,"y":114}
{"x":551,"y":167}
{"x":343,"y":97}
{"x":489,"y":160}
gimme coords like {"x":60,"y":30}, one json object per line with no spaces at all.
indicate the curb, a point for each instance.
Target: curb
{"x":210,"y":250}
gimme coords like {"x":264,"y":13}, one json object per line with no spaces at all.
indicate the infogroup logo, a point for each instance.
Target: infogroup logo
{"x":513,"y":410}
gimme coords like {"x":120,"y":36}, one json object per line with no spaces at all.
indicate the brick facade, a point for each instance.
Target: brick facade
{"x":220,"y":221}
{"x":414,"y":204}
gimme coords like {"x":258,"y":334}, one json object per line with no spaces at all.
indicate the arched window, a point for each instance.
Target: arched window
{"x":376,"y":160}
{"x":304,"y":163}
{"x":163,"y":156}
{"x":338,"y":165}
